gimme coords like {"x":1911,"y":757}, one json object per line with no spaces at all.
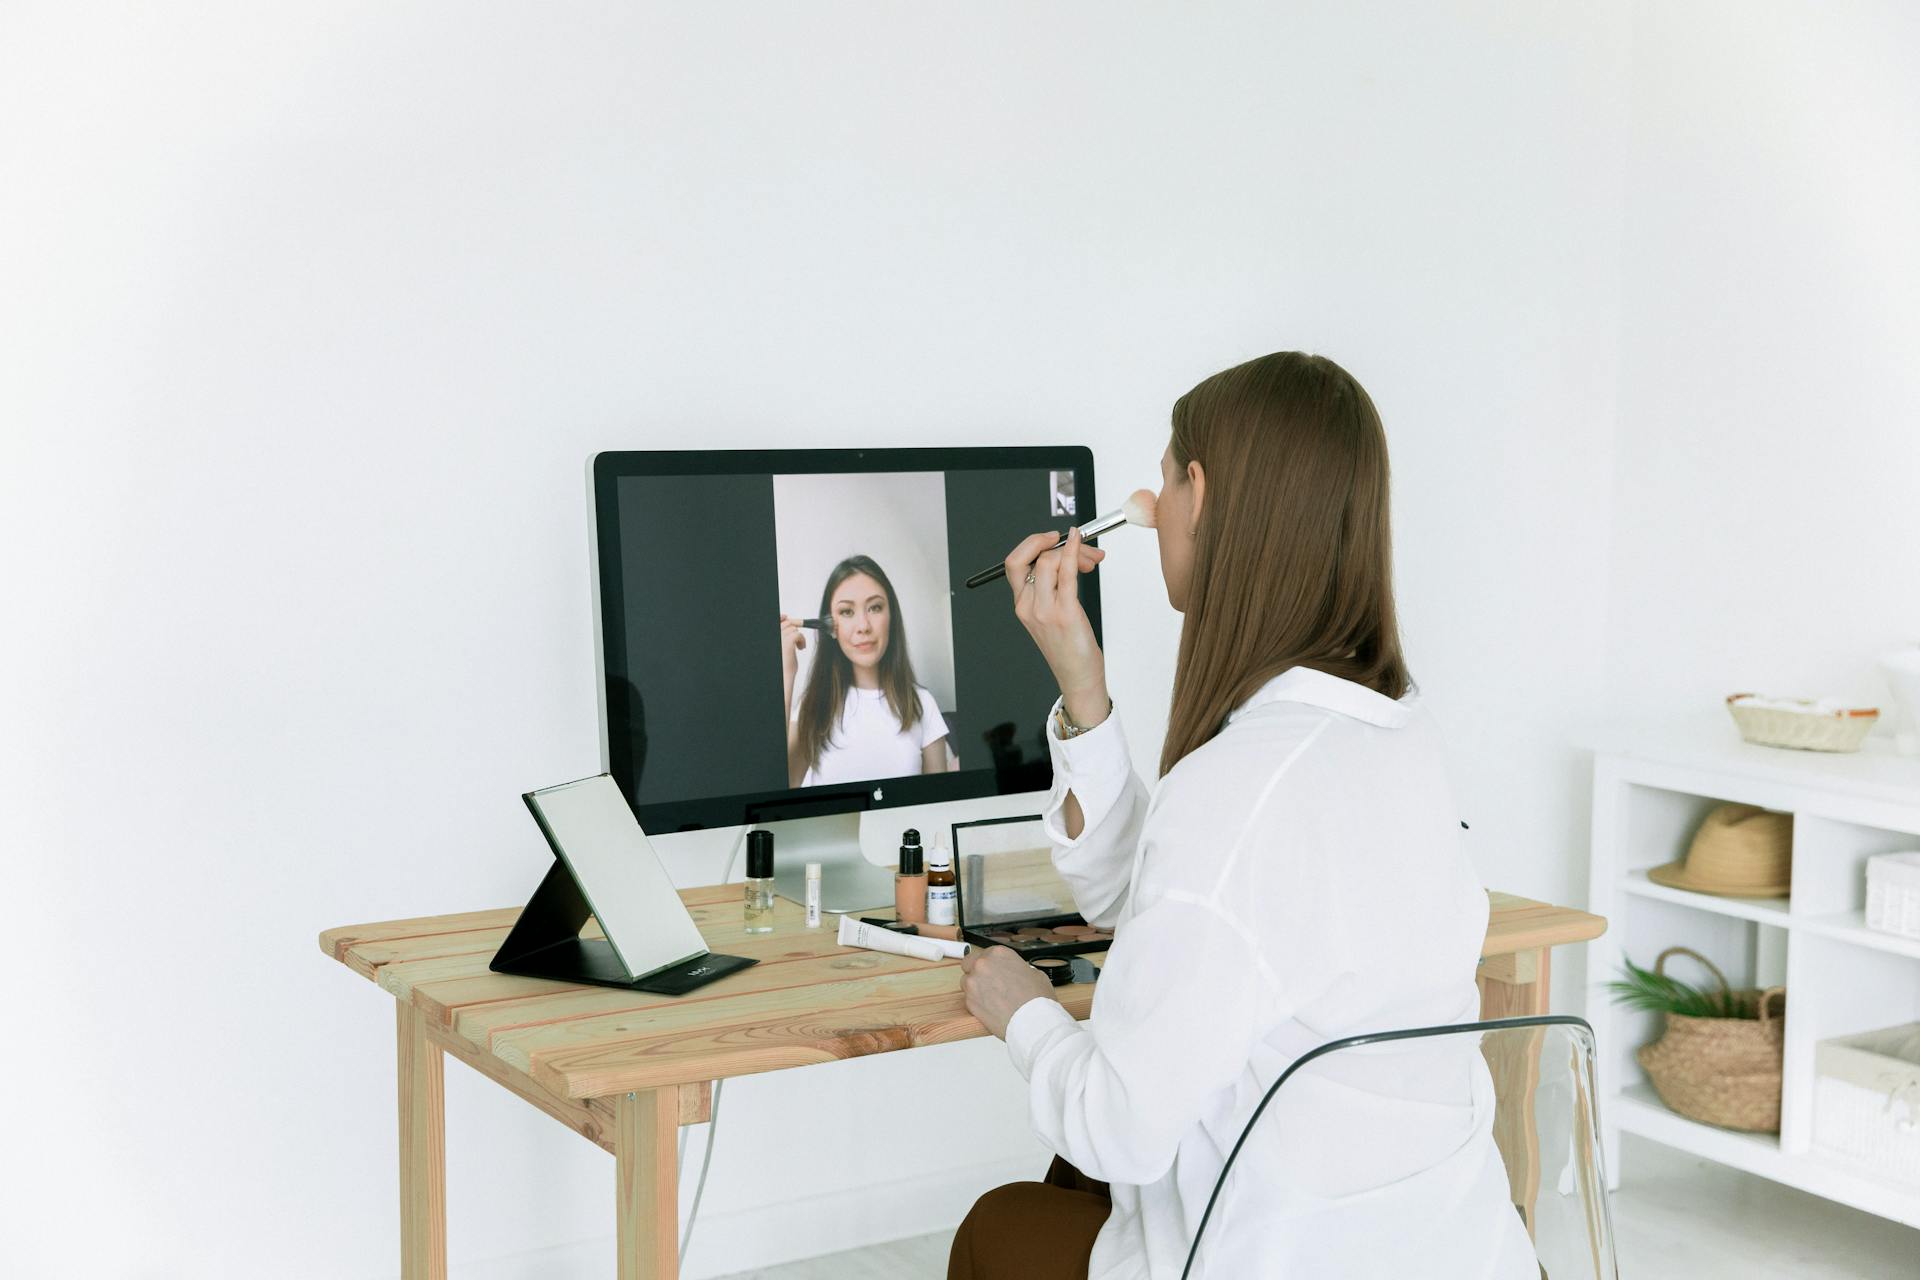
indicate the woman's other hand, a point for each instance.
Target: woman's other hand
{"x":998,"y":982}
{"x":793,"y":638}
{"x":1049,"y":608}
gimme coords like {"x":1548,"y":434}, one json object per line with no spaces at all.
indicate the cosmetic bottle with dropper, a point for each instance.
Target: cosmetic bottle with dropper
{"x":943,"y":892}
{"x":910,"y":885}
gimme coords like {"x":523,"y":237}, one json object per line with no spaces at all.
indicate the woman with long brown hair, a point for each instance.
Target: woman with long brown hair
{"x":1295,"y":875}
{"x":863,"y":714}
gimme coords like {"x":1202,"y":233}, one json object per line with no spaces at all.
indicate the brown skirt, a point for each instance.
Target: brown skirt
{"x":1027,"y":1229}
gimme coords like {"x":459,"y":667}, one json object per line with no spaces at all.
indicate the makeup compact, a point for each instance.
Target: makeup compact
{"x":1011,"y":896}
{"x":1057,"y":969}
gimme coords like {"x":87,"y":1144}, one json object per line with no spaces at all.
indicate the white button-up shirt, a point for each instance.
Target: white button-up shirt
{"x":1298,"y":878}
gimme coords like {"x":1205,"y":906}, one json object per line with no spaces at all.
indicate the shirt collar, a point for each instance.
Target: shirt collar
{"x":1318,"y":689}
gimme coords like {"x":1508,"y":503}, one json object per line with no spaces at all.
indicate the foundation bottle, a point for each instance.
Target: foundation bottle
{"x":759,"y":906}
{"x":943,"y":891}
{"x":910,"y":885}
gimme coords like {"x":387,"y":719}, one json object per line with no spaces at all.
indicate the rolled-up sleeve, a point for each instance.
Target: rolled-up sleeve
{"x":1096,"y":769}
{"x":1035,"y":1025}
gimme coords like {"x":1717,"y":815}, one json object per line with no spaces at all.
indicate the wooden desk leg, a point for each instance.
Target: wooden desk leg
{"x":1515,"y":986}
{"x":1512,"y":987}
{"x":423,"y":1152}
{"x":646,"y":1127}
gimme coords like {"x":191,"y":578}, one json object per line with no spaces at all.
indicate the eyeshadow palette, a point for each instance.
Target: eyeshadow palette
{"x":1011,"y":896}
{"x":1033,"y":939}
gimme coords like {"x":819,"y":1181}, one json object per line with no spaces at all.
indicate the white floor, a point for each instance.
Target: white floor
{"x":1677,"y":1218}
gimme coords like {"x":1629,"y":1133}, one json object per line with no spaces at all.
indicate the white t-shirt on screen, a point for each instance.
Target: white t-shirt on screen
{"x":869,"y":742}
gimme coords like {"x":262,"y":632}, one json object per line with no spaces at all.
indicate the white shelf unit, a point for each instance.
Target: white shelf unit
{"x":1651,"y":790}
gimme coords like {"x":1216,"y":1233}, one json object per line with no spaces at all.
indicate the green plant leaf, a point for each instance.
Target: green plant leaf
{"x":1644,"y":989}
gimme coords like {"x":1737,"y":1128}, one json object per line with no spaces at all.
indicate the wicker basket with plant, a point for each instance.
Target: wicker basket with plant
{"x":1718,"y":1060}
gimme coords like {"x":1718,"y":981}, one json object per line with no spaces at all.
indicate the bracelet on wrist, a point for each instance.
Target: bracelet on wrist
{"x":1068,"y":729}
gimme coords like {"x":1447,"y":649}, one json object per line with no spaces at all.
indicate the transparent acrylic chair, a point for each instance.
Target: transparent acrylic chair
{"x":1458,"y":1150}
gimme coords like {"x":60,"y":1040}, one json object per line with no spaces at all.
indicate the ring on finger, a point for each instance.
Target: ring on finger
{"x":1029,"y":579}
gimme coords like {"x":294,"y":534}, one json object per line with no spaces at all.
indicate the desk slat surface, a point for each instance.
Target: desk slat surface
{"x":808,"y":1000}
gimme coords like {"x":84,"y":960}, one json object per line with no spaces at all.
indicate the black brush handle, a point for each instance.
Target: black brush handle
{"x":1089,"y":532}
{"x":985,"y":576}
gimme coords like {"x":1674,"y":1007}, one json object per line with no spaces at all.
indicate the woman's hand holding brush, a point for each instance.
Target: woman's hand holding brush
{"x":1045,"y":580}
{"x":792,"y":640}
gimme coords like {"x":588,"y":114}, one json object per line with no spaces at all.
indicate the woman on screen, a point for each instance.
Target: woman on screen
{"x":863,"y":715}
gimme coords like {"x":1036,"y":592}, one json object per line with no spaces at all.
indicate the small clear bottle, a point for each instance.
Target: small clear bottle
{"x":910,"y":885}
{"x":813,"y":895}
{"x":759,"y":914}
{"x":943,"y":890}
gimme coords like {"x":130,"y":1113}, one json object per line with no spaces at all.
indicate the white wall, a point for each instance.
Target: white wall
{"x":1768,"y":464}
{"x":313,"y":315}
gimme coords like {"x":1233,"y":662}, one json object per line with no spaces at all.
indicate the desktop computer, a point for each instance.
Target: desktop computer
{"x":786,"y":643}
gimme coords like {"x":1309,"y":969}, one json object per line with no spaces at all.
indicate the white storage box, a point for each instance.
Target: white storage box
{"x":1893,"y":893}
{"x":1866,"y":1100}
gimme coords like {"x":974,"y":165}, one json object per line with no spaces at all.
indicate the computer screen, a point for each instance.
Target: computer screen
{"x":788,"y":633}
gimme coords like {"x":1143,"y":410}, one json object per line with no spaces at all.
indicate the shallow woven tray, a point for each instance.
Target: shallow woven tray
{"x":1808,"y":730}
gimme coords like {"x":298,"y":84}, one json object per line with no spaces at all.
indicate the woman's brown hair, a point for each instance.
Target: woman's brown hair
{"x":1292,"y":562}
{"x":832,"y":674}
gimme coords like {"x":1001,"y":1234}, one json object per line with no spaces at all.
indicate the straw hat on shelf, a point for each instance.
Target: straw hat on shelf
{"x":1740,"y":851}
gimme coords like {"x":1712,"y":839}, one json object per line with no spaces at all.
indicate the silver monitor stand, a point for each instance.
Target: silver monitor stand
{"x":848,"y":881}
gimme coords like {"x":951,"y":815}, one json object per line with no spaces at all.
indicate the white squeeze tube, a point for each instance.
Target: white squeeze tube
{"x":854,"y":933}
{"x":813,"y":895}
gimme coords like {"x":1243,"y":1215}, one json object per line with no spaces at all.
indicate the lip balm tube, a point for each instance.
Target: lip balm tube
{"x":855,"y":934}
{"x":813,"y":895}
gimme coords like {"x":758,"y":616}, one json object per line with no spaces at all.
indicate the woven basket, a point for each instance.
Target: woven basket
{"x":1723,"y":1071}
{"x":1804,"y":730}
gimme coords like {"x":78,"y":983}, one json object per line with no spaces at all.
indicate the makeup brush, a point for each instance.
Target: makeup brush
{"x":1137,"y":509}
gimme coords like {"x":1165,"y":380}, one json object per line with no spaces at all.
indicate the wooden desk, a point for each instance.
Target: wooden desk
{"x":626,"y":1069}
